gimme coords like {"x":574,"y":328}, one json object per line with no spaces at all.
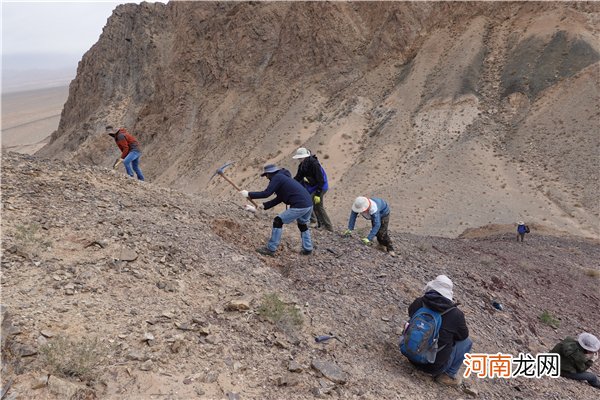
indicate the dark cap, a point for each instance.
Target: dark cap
{"x":270,"y":169}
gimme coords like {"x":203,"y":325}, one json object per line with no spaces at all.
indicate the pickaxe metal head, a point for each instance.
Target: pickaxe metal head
{"x":220,"y":171}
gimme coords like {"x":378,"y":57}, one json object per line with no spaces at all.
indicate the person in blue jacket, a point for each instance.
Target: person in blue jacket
{"x":313,"y":177}
{"x":522,"y":229}
{"x":292,"y":193}
{"x":378,"y":212}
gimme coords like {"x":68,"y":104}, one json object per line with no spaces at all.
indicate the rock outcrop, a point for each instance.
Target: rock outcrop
{"x":490,"y":107}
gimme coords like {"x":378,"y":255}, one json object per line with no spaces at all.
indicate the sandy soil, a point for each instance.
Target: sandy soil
{"x":29,"y":117}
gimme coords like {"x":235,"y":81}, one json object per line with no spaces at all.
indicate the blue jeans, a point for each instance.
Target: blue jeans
{"x":291,"y":215}
{"x":457,"y":357}
{"x":583,"y":376}
{"x":133,"y":160}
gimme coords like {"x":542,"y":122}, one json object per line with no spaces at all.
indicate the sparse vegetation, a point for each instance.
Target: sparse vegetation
{"x":68,"y":358}
{"x":285,"y":316}
{"x":593,"y":273}
{"x":29,"y":237}
{"x":549,"y":319}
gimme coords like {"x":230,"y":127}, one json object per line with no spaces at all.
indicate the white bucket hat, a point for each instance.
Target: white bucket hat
{"x":441,"y":284}
{"x":301,"y":153}
{"x":589,"y":342}
{"x":361,"y":204}
{"x":520,"y":223}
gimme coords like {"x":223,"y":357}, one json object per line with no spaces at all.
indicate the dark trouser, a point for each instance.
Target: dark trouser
{"x":382,"y":235}
{"x":319,"y":212}
{"x":583,"y":376}
{"x":522,"y":236}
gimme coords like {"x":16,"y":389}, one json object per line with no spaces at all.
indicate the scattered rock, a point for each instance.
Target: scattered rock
{"x":40,"y":382}
{"x":47,"y":333}
{"x":147,"y":365}
{"x":293,"y":366}
{"x":126,"y":254}
{"x":67,"y":390}
{"x":470,"y":391}
{"x":330,"y":371}
{"x":137,"y":356}
{"x":238,"y":305}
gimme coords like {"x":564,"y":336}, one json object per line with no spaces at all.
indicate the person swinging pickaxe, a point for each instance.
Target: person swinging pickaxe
{"x":220,"y":171}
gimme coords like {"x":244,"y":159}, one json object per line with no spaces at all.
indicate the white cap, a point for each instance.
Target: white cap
{"x":361,"y":204}
{"x":520,"y":223}
{"x":441,"y":284}
{"x":589,"y":342}
{"x":301,"y":153}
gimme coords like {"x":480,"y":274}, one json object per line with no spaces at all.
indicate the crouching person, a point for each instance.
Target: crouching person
{"x":436,"y":338}
{"x":577,"y":356}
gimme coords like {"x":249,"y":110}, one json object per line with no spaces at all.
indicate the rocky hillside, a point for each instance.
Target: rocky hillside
{"x":112,"y":288}
{"x":460,"y":114}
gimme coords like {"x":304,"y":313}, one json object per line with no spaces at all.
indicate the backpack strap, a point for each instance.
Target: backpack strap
{"x":451,"y":308}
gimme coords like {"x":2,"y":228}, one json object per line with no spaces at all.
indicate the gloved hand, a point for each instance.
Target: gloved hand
{"x":366,"y":241}
{"x":244,"y":193}
{"x":316,"y":199}
{"x":347,"y":232}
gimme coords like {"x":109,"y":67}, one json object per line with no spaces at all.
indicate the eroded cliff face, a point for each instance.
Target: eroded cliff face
{"x":461,"y":114}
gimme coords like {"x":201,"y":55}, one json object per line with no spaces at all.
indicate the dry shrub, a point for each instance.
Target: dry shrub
{"x":69,"y":358}
{"x":285,"y":316}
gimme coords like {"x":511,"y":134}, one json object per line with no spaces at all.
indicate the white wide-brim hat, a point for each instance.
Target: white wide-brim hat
{"x":441,"y":284}
{"x":589,"y":342}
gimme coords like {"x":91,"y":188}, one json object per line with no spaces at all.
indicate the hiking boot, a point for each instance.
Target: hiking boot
{"x":306,"y":252}
{"x":447,"y":380}
{"x":265,"y":251}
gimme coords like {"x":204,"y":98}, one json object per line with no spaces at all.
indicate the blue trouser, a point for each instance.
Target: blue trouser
{"x":291,"y":215}
{"x":457,"y":357}
{"x":133,"y":160}
{"x":583,"y":376}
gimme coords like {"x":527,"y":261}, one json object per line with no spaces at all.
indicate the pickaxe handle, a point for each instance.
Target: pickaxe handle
{"x":238,"y":189}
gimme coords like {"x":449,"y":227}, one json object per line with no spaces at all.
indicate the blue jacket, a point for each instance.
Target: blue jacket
{"x":522,"y":229}
{"x":286,"y":189}
{"x":312,"y":176}
{"x":382,"y":210}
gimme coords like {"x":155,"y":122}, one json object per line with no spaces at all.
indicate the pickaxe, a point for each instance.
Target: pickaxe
{"x":219,"y":172}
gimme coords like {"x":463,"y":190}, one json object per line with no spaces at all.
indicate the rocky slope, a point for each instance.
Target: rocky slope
{"x":460,"y":114}
{"x":169,"y":288}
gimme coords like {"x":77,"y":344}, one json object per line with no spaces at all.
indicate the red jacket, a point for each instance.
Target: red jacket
{"x":126,"y":142}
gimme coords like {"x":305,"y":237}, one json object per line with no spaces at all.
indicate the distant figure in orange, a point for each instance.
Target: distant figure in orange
{"x":130,"y":150}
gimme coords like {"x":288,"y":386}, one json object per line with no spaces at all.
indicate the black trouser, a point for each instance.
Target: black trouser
{"x":319,"y":212}
{"x":583,"y":376}
{"x":382,"y":235}
{"x":521,"y":235}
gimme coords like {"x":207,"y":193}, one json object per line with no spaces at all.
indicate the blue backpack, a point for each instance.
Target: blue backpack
{"x":419,"y":340}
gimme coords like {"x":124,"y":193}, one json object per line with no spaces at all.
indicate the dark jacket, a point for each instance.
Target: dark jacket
{"x":453,"y":329}
{"x":311,"y":169}
{"x":287,"y":190}
{"x":126,"y":142}
{"x":572,"y":356}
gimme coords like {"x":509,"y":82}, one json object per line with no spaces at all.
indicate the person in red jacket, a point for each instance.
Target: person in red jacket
{"x":130,"y":150}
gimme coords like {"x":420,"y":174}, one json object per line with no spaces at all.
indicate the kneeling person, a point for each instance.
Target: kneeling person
{"x":436,"y":307}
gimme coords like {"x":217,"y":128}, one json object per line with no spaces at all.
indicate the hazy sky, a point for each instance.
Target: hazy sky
{"x":53,"y":27}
